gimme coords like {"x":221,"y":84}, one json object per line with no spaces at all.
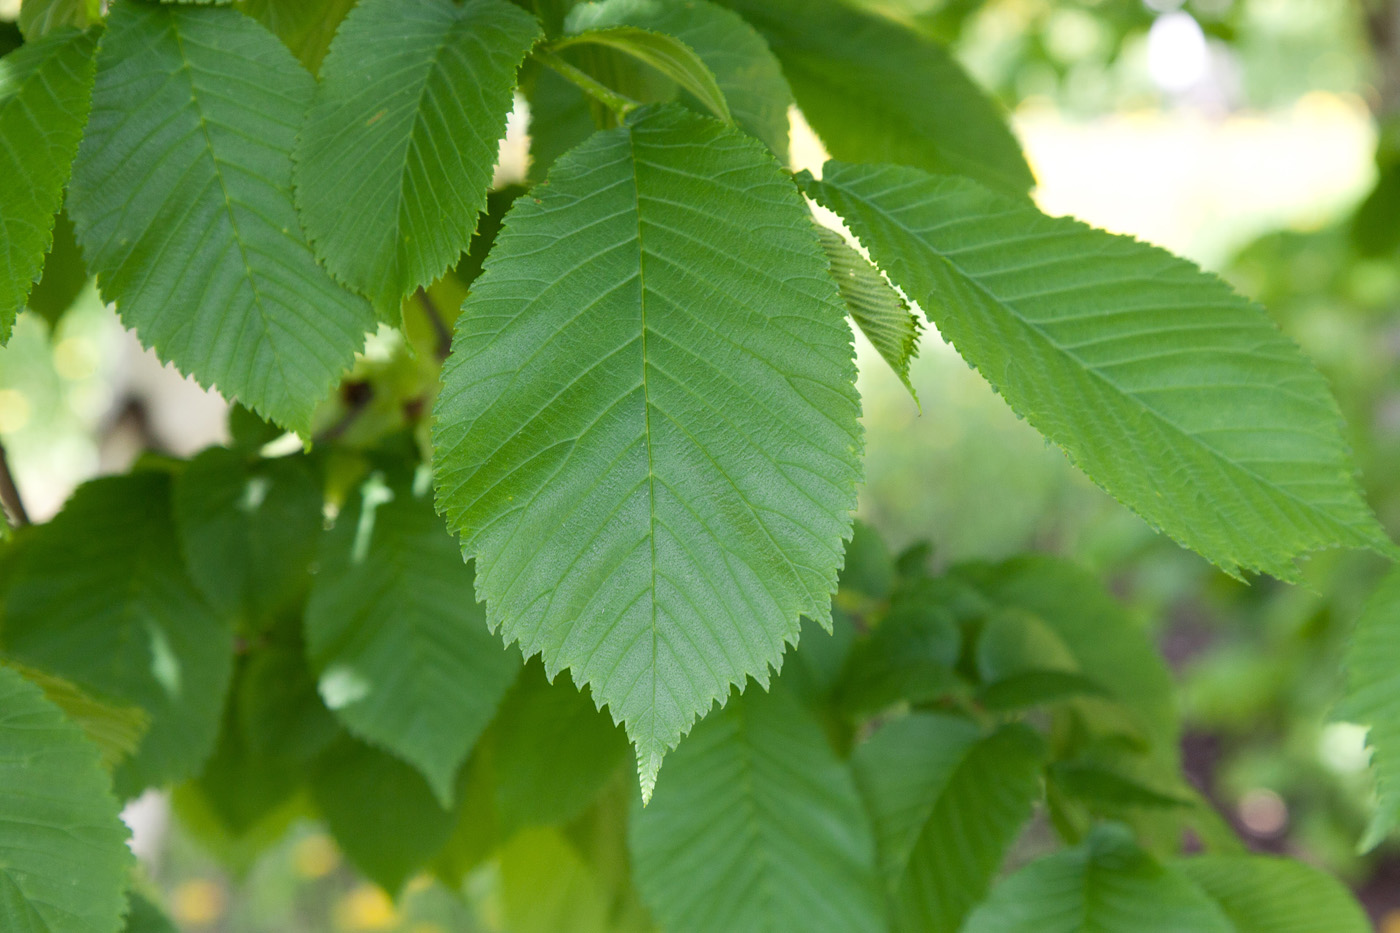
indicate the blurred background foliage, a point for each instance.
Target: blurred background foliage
{"x":1259,"y":137}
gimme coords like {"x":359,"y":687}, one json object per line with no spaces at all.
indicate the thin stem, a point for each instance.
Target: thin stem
{"x":9,"y":493}
{"x":619,"y":104}
{"x":444,"y":336}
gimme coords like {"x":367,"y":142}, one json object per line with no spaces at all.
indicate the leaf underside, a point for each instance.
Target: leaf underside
{"x":878,"y":310}
{"x":647,"y":435}
{"x":45,"y":88}
{"x":756,"y":827}
{"x":1178,"y":396}
{"x":181,"y":197}
{"x":397,"y":152}
{"x":63,"y":854}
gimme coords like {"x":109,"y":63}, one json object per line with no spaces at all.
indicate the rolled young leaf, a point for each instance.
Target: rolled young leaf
{"x":1176,"y":395}
{"x":647,"y":434}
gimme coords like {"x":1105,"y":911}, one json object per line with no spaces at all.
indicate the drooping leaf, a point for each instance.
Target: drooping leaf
{"x":406,"y":123}
{"x":381,"y":812}
{"x":45,"y":89}
{"x":181,"y":197}
{"x":115,"y":728}
{"x":946,"y":804}
{"x":1273,"y":895}
{"x":667,"y":54}
{"x":745,"y":71}
{"x":554,"y":751}
{"x":63,"y":854}
{"x":1175,"y":394}
{"x":38,"y":18}
{"x":877,"y":91}
{"x":1106,"y":885}
{"x":100,"y":596}
{"x":756,"y":827}
{"x":249,"y":528}
{"x":879,"y":310}
{"x":1373,"y":698}
{"x":396,"y":636}
{"x":655,"y":483}
{"x":304,"y":26}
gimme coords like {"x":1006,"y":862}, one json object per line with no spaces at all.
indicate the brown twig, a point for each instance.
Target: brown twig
{"x":357,"y":396}
{"x":444,"y":335}
{"x":9,"y":493}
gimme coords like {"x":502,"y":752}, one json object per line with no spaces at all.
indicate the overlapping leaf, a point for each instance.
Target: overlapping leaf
{"x":1106,"y":885}
{"x":666,"y":54}
{"x":63,"y":854}
{"x":393,"y":163}
{"x":181,"y":197}
{"x":400,"y":644}
{"x":100,"y":597}
{"x":1176,"y":395}
{"x":45,"y":89}
{"x":647,"y":435}
{"x":756,"y":827}
{"x":946,"y":803}
{"x":38,"y":18}
{"x":875,"y":306}
{"x":745,"y":71}
{"x":876,"y":91}
{"x":307,"y":27}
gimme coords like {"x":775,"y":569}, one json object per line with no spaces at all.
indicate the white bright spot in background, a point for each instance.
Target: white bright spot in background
{"x":1342,"y":748}
{"x":1177,"y":57}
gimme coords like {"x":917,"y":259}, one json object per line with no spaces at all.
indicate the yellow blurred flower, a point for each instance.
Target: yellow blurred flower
{"x":197,"y":903}
{"x":366,"y":908}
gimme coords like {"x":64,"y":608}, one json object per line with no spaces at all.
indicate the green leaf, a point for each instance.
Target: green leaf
{"x":667,"y":54}
{"x":145,"y":917}
{"x":876,"y":91}
{"x":38,"y":18}
{"x":206,"y":103}
{"x":947,"y":803}
{"x":547,"y":886}
{"x":561,"y":117}
{"x":115,"y":728}
{"x":909,"y":656}
{"x":748,"y":76}
{"x":1103,"y":643}
{"x":100,"y":597}
{"x":1176,"y":395}
{"x":306,"y":27}
{"x":1107,"y":790}
{"x":756,"y":827}
{"x":1106,"y":885}
{"x":406,"y":124}
{"x":45,"y":89}
{"x":63,"y":854}
{"x":380,"y":811}
{"x":554,"y":751}
{"x":879,"y":310}
{"x":654,"y":483}
{"x":248,"y":529}
{"x":398,"y":641}
{"x":1274,"y":895}
{"x":869,"y":567}
{"x":64,"y":276}
{"x":1373,"y":698}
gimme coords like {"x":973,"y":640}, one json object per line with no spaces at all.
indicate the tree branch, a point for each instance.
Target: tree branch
{"x":9,"y":494}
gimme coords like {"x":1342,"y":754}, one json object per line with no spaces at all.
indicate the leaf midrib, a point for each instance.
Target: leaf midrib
{"x":188,"y":68}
